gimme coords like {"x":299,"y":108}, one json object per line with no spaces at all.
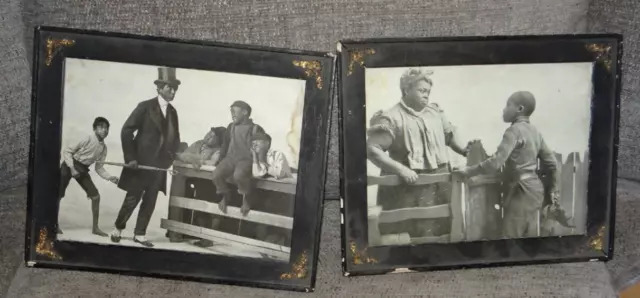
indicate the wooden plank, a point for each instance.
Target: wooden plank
{"x":287,"y":185}
{"x":373,"y":217}
{"x":567,"y":190}
{"x":395,"y":239}
{"x":483,"y":180}
{"x":233,"y":212}
{"x":391,"y":216}
{"x":214,"y":235}
{"x":482,"y":195}
{"x":390,"y":180}
{"x":430,"y":239}
{"x":581,"y":178}
{"x":178,"y":187}
{"x":457,"y":228}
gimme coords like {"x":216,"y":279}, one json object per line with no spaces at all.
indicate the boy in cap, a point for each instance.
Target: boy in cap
{"x":521,"y":147}
{"x":235,"y":156}
{"x":266,"y":161}
{"x":78,"y":157}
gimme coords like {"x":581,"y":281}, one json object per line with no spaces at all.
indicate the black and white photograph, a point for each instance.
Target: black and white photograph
{"x":179,"y":159}
{"x":499,"y":128}
{"x":462,"y":152}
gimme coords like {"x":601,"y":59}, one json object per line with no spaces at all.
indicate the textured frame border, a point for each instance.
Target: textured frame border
{"x":52,"y":45}
{"x":605,"y":50}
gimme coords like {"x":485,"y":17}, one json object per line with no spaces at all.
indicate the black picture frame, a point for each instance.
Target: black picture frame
{"x":354,"y":56}
{"x":52,"y":45}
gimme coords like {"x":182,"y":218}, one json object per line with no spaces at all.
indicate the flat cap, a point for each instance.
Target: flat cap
{"x":241,"y":104}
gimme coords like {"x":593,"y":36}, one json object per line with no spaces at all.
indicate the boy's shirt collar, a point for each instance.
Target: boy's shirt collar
{"x":95,"y":138}
{"x":521,"y":119}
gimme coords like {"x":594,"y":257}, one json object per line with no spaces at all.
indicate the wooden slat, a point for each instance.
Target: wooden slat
{"x":482,"y":194}
{"x":567,"y":191}
{"x":395,"y":239}
{"x":373,"y":221}
{"x":214,"y":235}
{"x":483,"y":180}
{"x":457,"y":217}
{"x":233,"y":212}
{"x":391,"y":216}
{"x":287,"y":185}
{"x":178,"y":188}
{"x":430,"y":239}
{"x":581,"y":178}
{"x":390,"y":180}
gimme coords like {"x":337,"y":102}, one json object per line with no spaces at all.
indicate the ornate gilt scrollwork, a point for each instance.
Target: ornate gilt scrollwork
{"x":54,"y":46}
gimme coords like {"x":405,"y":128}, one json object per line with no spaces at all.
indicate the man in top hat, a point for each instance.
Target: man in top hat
{"x":157,"y":138}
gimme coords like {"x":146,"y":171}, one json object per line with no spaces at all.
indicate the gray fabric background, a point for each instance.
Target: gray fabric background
{"x":311,"y":25}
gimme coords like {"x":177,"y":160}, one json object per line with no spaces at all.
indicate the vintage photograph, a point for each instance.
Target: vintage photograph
{"x":179,"y":159}
{"x":477,"y":152}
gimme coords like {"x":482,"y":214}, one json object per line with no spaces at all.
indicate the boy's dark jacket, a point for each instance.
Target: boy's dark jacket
{"x":224,"y":150}
{"x":153,"y":144}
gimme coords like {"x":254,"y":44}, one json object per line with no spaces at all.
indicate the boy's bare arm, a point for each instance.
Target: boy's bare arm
{"x":101,"y":171}
{"x":455,"y":143}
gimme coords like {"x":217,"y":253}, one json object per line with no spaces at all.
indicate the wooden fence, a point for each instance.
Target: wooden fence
{"x":179,"y":202}
{"x":475,"y":207}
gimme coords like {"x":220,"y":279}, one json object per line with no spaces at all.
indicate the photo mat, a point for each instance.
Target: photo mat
{"x":471,"y":100}
{"x":112,"y":90}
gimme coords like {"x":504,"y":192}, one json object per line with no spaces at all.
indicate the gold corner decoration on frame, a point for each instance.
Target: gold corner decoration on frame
{"x":597,"y":241}
{"x":298,"y":269}
{"x":356,"y":57}
{"x":603,"y":54}
{"x":54,"y":46}
{"x":44,"y":247}
{"x":311,"y":69}
{"x":360,"y":256}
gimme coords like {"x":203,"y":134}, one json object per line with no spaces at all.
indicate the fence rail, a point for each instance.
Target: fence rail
{"x":475,"y":205}
{"x":179,"y":202}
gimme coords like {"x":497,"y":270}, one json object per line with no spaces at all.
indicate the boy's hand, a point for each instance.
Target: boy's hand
{"x":133,"y":164}
{"x":462,"y":172}
{"x":75,"y":174}
{"x":409,"y":176}
{"x":196,"y":163}
{"x":114,"y":179}
{"x":555,"y":197}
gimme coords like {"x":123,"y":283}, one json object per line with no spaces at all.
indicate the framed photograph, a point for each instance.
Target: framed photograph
{"x":174,"y":158}
{"x":476,"y":151}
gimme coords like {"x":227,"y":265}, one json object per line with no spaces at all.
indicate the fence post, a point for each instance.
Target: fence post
{"x":457,"y":230}
{"x":178,"y":188}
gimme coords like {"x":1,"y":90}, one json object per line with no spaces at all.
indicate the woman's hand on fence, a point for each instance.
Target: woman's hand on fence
{"x":408,"y":175}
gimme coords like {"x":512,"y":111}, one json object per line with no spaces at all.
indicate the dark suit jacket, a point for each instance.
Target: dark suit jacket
{"x":152,"y":145}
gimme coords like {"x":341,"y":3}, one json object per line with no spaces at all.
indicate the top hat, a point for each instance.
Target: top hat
{"x":167,"y":75}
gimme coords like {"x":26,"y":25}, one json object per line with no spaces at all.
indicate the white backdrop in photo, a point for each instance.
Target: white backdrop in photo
{"x":112,"y":90}
{"x":473,"y":97}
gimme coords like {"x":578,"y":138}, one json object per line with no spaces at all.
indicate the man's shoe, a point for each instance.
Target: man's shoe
{"x":116,"y":235}
{"x":142,"y":240}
